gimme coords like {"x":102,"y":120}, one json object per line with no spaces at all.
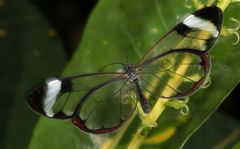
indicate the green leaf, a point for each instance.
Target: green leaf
{"x":237,"y":146}
{"x":219,"y":131}
{"x":113,"y":27}
{"x":28,"y":55}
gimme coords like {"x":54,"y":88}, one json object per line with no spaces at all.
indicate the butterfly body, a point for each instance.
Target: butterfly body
{"x":133,"y":76}
{"x":131,"y":73}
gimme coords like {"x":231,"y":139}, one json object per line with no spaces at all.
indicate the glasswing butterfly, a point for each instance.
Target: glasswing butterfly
{"x":101,"y":102}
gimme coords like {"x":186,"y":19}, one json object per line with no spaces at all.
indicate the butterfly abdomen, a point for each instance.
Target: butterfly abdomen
{"x":145,"y":104}
{"x":143,"y":100}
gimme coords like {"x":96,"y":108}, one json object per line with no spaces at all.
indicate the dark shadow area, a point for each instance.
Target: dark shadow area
{"x":30,"y":53}
{"x":232,"y":103}
{"x":68,"y":18}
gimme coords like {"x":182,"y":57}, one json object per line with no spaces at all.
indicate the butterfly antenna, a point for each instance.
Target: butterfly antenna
{"x":126,"y":54}
{"x":101,"y":70}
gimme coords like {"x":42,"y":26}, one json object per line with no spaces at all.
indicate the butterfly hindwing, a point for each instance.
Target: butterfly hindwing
{"x":105,"y":109}
{"x":177,"y":73}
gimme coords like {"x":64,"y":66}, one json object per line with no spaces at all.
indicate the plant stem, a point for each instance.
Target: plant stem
{"x":223,"y":4}
{"x":149,"y":121}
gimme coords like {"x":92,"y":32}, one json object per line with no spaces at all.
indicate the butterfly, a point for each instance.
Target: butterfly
{"x":101,"y":102}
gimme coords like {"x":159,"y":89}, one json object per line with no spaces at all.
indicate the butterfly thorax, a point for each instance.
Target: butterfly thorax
{"x":131,"y":73}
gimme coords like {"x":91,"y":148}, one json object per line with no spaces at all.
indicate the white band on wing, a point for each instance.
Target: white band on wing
{"x":53,"y":87}
{"x":201,"y":24}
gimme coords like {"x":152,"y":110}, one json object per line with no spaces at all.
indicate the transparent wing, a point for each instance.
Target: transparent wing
{"x":97,"y":103}
{"x":104,"y":109}
{"x":59,"y":98}
{"x":197,"y":31}
{"x":177,"y":73}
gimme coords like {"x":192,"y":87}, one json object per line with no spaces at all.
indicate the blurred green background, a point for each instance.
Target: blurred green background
{"x":38,"y":38}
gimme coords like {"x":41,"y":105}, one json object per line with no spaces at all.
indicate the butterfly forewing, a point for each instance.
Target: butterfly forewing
{"x":59,"y":98}
{"x":197,"y":31}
